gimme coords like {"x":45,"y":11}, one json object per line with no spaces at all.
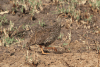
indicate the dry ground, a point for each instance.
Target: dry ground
{"x":78,"y":43}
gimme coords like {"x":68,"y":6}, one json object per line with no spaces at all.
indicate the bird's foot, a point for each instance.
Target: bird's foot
{"x":42,"y":50}
{"x":53,"y":48}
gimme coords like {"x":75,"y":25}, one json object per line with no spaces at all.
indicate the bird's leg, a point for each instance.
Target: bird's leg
{"x":53,"y":48}
{"x":42,"y":50}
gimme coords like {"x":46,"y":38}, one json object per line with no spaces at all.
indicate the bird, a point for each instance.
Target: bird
{"x":45,"y":36}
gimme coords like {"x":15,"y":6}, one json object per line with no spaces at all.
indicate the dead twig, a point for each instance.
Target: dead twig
{"x":4,"y":12}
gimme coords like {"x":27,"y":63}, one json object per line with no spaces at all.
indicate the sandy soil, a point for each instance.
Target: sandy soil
{"x":77,"y":45}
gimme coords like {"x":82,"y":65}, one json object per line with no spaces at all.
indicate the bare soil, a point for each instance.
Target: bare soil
{"x":77,"y":46}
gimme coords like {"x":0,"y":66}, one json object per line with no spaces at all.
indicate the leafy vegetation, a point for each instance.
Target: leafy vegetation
{"x":9,"y":40}
{"x":3,"y":20}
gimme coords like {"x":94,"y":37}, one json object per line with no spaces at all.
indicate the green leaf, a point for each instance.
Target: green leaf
{"x":65,"y":44}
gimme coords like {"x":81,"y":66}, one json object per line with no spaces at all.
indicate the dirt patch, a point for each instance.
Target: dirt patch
{"x":77,"y":45}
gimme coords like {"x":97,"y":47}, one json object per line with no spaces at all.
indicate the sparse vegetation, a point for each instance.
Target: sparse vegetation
{"x":60,"y":36}
{"x":3,"y":20}
{"x":42,"y":23}
{"x":9,"y":41}
{"x":65,"y":44}
{"x":79,"y":37}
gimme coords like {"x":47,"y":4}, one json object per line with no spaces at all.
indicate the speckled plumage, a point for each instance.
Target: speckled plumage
{"x":45,"y":36}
